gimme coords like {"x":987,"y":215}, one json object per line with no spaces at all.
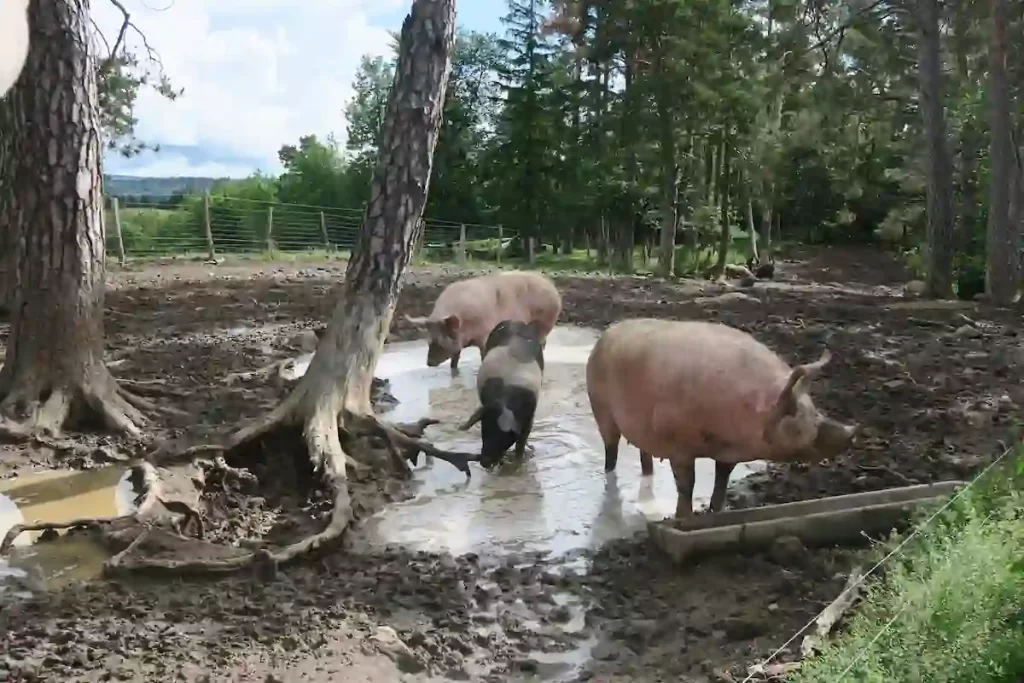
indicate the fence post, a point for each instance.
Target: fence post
{"x":270,"y":228}
{"x":462,"y":244}
{"x":501,"y":243}
{"x":117,"y":227}
{"x":323,"y":231}
{"x":207,"y":228}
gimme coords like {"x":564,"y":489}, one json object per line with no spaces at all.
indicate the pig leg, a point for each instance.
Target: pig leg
{"x":521,"y":441}
{"x":684,"y":471}
{"x":455,"y":362}
{"x":723,"y":470}
{"x":646,"y":464}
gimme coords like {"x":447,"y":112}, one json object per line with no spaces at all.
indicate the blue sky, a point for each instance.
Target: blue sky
{"x":257,"y":74}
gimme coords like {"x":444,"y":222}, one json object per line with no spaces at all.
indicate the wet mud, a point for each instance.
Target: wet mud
{"x":531,"y":572}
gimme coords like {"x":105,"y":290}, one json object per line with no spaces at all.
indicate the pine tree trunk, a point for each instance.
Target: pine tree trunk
{"x":940,"y":172}
{"x":669,"y":176}
{"x":1003,"y":257}
{"x":752,"y":230}
{"x":335,"y":391}
{"x":968,"y":213}
{"x":51,"y":205}
{"x":725,"y":239}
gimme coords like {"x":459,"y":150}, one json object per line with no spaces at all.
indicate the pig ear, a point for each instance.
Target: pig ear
{"x":798,"y":384}
{"x":785,"y":404}
{"x":453,"y":323}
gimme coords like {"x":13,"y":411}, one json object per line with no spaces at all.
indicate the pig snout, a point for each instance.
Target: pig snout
{"x":834,"y":438}
{"x":437,"y":354}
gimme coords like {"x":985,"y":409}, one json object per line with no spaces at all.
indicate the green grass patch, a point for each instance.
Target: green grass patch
{"x":950,"y":608}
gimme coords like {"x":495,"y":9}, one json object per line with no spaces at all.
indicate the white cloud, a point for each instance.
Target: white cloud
{"x":177,"y":165}
{"x":257,"y":73}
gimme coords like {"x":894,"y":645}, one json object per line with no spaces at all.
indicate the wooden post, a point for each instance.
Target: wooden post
{"x":114,"y":205}
{"x":462,"y":244}
{"x":501,"y":242}
{"x":323,"y":231}
{"x":207,"y":228}
{"x":270,"y":228}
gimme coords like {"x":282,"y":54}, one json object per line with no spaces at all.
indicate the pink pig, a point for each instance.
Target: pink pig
{"x":467,"y":310}
{"x":685,"y":390}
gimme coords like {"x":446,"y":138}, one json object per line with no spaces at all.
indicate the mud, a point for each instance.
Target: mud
{"x":936,"y":387}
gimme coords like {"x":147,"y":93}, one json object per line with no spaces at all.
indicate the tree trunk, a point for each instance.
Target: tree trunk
{"x":766,"y":230}
{"x":752,"y":230}
{"x":939,"y":261}
{"x":1002,"y":264}
{"x":669,"y":178}
{"x":335,"y":391}
{"x":726,"y":236}
{"x":968,"y":134}
{"x":53,"y":375}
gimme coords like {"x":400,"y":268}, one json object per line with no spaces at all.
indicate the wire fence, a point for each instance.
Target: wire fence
{"x":216,"y":226}
{"x":759,"y":670}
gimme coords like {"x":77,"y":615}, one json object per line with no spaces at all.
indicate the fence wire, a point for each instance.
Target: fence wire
{"x":761,"y":666}
{"x":243,"y":227}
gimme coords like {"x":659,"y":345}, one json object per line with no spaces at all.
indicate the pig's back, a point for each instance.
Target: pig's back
{"x":669,"y":381}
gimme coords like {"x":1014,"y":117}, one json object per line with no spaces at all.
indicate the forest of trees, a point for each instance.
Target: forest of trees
{"x":598,"y":122}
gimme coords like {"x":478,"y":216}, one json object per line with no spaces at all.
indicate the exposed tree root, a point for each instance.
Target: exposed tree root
{"x":323,"y":436}
{"x":85,"y":523}
{"x":28,"y":412}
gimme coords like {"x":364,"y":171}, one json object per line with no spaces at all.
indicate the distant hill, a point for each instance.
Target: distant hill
{"x":140,"y":186}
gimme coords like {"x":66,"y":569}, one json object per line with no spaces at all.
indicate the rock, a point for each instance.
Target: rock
{"x":388,"y":643}
{"x":966,"y":332}
{"x":607,"y":651}
{"x":306,"y":341}
{"x":788,"y":550}
{"x":915,"y":288}
{"x":725,"y":298}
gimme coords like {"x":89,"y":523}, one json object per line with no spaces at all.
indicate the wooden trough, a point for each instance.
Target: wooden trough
{"x":838,"y":520}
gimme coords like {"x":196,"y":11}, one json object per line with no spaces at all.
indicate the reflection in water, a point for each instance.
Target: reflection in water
{"x":557,"y":501}
{"x":60,"y":496}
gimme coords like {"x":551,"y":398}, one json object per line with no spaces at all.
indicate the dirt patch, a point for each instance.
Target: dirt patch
{"x":936,"y":389}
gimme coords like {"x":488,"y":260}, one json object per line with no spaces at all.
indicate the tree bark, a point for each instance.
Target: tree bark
{"x":968,"y":213}
{"x":939,"y":261}
{"x":669,"y":176}
{"x":725,"y":235}
{"x":334,"y":395}
{"x":51,"y":207}
{"x":752,"y":230}
{"x":1002,"y":277}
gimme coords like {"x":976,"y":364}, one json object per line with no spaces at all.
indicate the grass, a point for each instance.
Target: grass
{"x":950,"y":608}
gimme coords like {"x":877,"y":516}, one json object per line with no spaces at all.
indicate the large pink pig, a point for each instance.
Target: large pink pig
{"x":467,"y":310}
{"x":684,"y":390}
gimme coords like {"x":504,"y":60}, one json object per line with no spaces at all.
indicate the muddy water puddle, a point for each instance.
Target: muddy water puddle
{"x":59,"y":496}
{"x":557,"y":501}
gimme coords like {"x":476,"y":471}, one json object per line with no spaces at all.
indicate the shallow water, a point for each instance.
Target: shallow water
{"x":558,"y":501}
{"x":59,"y":496}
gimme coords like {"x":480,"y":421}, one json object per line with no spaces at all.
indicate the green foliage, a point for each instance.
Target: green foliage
{"x":949,"y":607}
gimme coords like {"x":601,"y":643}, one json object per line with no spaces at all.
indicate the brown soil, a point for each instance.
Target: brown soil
{"x":936,"y":387}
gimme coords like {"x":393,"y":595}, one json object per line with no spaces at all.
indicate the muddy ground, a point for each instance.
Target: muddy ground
{"x":937,"y":387}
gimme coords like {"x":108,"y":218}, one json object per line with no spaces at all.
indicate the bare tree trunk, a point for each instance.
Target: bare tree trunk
{"x":968,"y":147}
{"x":669,"y":179}
{"x":1002,"y":277}
{"x":726,"y":236}
{"x":766,"y":230}
{"x":54,"y":375}
{"x":940,"y":172}
{"x":334,"y":394}
{"x":751,"y":230}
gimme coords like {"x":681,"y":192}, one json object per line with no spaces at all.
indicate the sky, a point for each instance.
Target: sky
{"x":257,"y":74}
